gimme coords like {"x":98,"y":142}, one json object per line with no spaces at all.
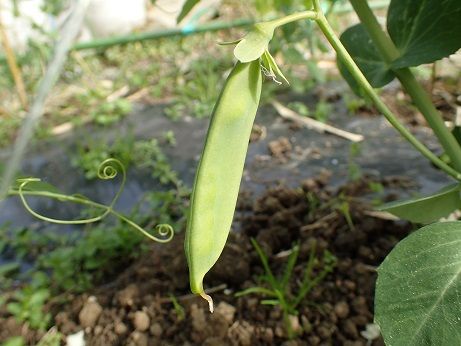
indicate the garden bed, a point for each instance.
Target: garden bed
{"x":136,"y":307}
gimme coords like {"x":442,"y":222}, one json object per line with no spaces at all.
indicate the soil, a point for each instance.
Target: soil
{"x":137,"y":308}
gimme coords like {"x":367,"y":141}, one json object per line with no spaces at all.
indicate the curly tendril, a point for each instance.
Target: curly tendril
{"x":107,"y":170}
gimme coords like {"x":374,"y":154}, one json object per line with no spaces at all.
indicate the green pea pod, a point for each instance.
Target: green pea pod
{"x":219,"y":173}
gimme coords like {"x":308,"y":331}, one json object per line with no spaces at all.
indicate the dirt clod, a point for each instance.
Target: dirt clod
{"x":128,"y":296}
{"x":90,"y":313}
{"x":280,"y":148}
{"x":227,"y":311}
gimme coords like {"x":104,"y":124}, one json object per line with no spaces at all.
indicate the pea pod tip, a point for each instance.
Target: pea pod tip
{"x":209,"y":300}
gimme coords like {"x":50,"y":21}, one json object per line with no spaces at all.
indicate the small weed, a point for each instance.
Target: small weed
{"x":109,"y":113}
{"x":170,"y":138}
{"x":149,"y":155}
{"x":322,"y":111}
{"x":313,"y":202}
{"x":343,"y":206}
{"x":27,"y":304}
{"x":14,"y":341}
{"x":143,"y":154}
{"x":180,"y":312}
{"x":378,"y":189}
{"x":280,"y":292}
{"x":51,"y":338}
{"x":76,"y":266}
{"x":198,"y":89}
{"x":354,"y":171}
{"x":353,"y":104}
{"x":300,"y":108}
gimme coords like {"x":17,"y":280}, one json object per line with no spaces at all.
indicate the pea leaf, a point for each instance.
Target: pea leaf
{"x":255,"y":43}
{"x":418,"y":291}
{"x":424,"y":30}
{"x":359,"y":45}
{"x":428,"y":208}
{"x":36,"y":185}
{"x":187,"y":7}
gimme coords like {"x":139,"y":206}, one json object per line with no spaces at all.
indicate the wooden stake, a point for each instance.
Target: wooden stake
{"x":12,"y":64}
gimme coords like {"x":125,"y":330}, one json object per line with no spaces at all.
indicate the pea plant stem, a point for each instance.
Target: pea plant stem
{"x":361,"y":79}
{"x":295,"y":17}
{"x":421,"y":99}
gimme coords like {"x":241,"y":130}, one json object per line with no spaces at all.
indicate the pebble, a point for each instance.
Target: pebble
{"x":213,"y":341}
{"x":141,"y":321}
{"x":307,"y":325}
{"x":360,"y":320}
{"x":275,"y":313}
{"x":279,"y":332}
{"x":65,"y":324}
{"x":353,"y":343}
{"x":120,"y":328}
{"x":341,"y":309}
{"x":359,"y":304}
{"x":98,"y":330}
{"x":313,"y":340}
{"x":324,"y":332}
{"x":267,"y":335}
{"x":295,"y":325}
{"x":350,"y":329}
{"x":350,"y":285}
{"x":156,"y":330}
{"x":138,"y":339}
{"x":90,"y":313}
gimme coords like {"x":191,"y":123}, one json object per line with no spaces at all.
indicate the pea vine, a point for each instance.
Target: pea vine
{"x":108,"y":169}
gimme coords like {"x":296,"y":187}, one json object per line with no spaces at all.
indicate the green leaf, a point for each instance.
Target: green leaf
{"x":35,"y":185}
{"x":8,"y":269}
{"x":187,"y":7}
{"x":14,"y":341}
{"x":259,"y":290}
{"x":424,"y":30}
{"x":255,"y":43}
{"x":428,"y":208}
{"x":418,"y":291}
{"x":360,"y":46}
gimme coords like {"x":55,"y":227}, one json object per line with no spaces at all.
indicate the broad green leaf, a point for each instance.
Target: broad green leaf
{"x":255,"y":43}
{"x":359,"y":45}
{"x":428,"y":208}
{"x":424,"y":30}
{"x":418,"y":291}
{"x":36,"y":185}
{"x":187,"y":7}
